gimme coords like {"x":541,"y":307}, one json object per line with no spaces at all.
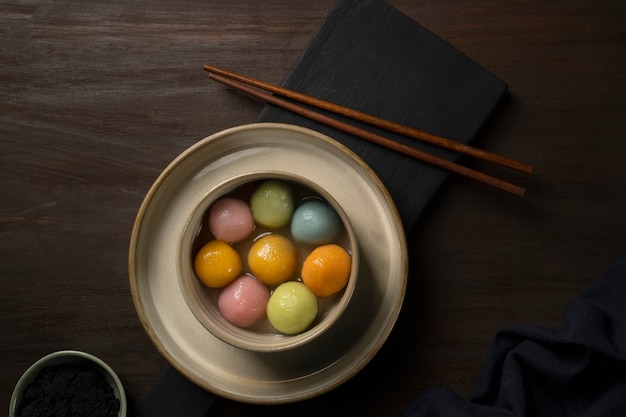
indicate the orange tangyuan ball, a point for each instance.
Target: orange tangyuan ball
{"x":326,"y":270}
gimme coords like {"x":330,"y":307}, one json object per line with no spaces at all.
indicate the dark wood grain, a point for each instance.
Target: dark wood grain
{"x":96,"y":98}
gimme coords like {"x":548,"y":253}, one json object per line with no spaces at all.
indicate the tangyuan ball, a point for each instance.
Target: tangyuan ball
{"x":243,"y":302}
{"x":315,"y":222}
{"x":273,"y":259}
{"x":272,"y":204}
{"x":230,"y":220}
{"x":217,"y":264}
{"x":326,"y":270}
{"x":292,"y":308}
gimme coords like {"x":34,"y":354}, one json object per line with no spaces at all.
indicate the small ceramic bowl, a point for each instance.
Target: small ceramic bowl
{"x":69,"y":357}
{"x":203,"y":301}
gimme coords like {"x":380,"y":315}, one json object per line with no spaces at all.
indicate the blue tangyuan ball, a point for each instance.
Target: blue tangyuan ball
{"x":315,"y":222}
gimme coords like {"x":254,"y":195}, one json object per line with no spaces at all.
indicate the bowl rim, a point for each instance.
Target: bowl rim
{"x":61,"y":357}
{"x":250,"y":339}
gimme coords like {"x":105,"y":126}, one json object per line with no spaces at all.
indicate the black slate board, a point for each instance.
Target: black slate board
{"x":369,"y":56}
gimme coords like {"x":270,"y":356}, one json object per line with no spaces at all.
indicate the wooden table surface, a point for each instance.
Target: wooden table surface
{"x":96,"y":98}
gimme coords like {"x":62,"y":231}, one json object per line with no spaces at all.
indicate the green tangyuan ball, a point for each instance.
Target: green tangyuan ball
{"x":292,"y":308}
{"x":272,"y":204}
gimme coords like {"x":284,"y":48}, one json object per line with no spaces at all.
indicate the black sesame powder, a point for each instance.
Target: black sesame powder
{"x":69,"y":390}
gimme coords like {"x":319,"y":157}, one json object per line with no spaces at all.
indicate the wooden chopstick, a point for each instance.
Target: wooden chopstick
{"x":376,"y":121}
{"x":372,"y":137}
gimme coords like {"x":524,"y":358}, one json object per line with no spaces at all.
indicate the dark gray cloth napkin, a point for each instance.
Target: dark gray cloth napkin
{"x":369,"y":56}
{"x":174,"y":395}
{"x":578,"y":370}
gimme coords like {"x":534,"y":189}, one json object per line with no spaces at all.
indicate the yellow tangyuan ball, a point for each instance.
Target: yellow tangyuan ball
{"x":217,"y":264}
{"x":273,"y":259}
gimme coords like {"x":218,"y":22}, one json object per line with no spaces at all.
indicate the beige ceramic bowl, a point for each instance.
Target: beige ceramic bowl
{"x":202,"y":301}
{"x":168,"y":301}
{"x":67,"y":357}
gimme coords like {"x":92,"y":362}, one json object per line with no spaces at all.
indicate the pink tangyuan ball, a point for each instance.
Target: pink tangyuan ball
{"x":243,"y":302}
{"x":230,"y":220}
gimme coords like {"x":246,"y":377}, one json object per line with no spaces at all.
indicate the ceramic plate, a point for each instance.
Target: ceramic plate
{"x":268,"y":377}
